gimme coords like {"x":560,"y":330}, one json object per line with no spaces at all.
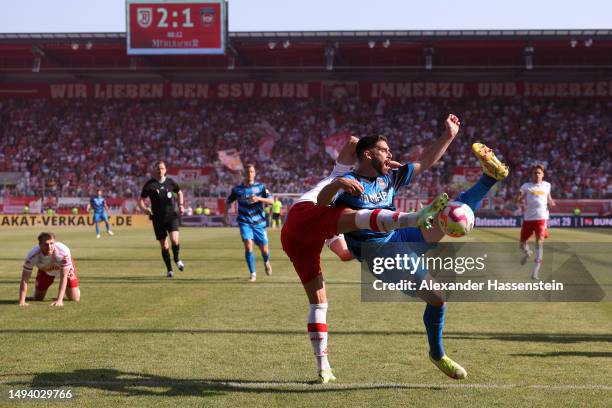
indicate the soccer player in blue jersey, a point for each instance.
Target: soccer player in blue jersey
{"x":380,"y":184}
{"x":100,"y":212}
{"x":251,"y":197}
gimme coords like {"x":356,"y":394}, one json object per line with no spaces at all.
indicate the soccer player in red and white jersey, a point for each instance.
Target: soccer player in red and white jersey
{"x":52,"y":259}
{"x":535,"y":197}
{"x":309,"y":225}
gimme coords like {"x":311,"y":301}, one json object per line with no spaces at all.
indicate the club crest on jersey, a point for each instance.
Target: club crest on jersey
{"x":382,"y":183}
{"x":207,"y":14}
{"x":144,"y":16}
{"x":169,"y":194}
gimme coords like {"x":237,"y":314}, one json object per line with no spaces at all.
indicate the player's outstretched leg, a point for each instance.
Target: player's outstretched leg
{"x":434,"y":325}
{"x":386,"y":220}
{"x":493,"y":171}
{"x":97,"y":231}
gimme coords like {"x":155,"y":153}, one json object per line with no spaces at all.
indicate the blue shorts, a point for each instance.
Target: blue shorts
{"x":254,"y":232}
{"x":100,"y":217}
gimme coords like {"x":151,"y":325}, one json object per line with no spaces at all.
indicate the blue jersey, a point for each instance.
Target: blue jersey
{"x":377,"y":193}
{"x":98,"y":204}
{"x":249,"y":213}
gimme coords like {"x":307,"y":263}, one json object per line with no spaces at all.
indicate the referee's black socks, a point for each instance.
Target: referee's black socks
{"x":175,"y":252}
{"x":166,"y":256}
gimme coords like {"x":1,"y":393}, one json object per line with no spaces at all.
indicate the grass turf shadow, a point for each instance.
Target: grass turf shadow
{"x":140,"y":384}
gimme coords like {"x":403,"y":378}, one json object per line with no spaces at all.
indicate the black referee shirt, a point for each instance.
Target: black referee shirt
{"x":161,"y":196}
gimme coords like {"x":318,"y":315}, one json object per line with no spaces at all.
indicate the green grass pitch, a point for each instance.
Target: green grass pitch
{"x":210,"y":338}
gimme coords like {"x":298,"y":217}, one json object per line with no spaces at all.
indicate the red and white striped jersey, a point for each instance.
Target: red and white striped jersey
{"x":50,"y":264}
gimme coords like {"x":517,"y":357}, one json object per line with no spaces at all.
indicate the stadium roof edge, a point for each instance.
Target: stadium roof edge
{"x":459,"y":34}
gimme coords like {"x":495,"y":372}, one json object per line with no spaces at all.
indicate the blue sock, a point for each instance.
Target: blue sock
{"x":265,"y":256}
{"x":97,"y":229}
{"x":473,"y":197}
{"x":250,"y":260}
{"x":434,"y":324}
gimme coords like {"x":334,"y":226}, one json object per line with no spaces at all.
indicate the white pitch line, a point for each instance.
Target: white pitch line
{"x":289,"y":386}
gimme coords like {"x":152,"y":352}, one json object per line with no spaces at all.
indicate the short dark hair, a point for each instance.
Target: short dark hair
{"x":366,"y":143}
{"x":45,"y":236}
{"x":249,"y":165}
{"x":157,"y":163}
{"x":538,"y":166}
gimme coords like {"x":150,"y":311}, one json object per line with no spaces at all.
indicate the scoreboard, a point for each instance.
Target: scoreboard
{"x":158,"y":27}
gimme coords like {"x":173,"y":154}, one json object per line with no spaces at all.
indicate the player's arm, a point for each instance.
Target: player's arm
{"x":433,"y":153}
{"x":62,"y":287}
{"x":88,"y":207}
{"x":551,"y":202}
{"x":232,"y":197}
{"x":144,"y":207}
{"x":260,"y":199}
{"x":141,"y":202}
{"x":347,"y":156}
{"x":23,"y":286}
{"x":350,"y":185}
{"x":265,"y":197}
{"x":225,"y":212}
{"x":176,"y":189}
{"x":181,"y":200}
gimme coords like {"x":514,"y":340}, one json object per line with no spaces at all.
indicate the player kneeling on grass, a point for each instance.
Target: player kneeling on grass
{"x":52,"y":259}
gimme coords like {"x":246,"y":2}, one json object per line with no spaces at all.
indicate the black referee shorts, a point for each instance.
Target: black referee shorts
{"x":163,"y":225}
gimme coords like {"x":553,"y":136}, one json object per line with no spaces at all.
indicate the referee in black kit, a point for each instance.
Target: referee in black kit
{"x":162,"y":191}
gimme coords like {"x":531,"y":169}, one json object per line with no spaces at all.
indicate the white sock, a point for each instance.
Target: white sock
{"x":539,"y":254}
{"x":317,"y":331}
{"x":384,"y":220}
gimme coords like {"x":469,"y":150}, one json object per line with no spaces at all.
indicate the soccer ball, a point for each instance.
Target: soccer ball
{"x":457,"y":219}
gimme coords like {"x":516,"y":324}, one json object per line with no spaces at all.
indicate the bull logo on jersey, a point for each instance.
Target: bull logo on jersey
{"x":144,"y":16}
{"x":207,"y":15}
{"x":382,"y":183}
{"x":169,"y":194}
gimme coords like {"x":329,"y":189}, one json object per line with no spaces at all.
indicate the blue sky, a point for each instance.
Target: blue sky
{"x":31,"y":16}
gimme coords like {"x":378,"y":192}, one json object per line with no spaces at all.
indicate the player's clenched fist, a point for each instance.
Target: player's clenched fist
{"x":452,"y":125}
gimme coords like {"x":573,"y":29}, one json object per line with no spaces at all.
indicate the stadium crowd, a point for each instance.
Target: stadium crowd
{"x":69,"y":147}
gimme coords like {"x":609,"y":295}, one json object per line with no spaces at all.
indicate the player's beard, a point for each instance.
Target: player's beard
{"x":380,"y":166}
